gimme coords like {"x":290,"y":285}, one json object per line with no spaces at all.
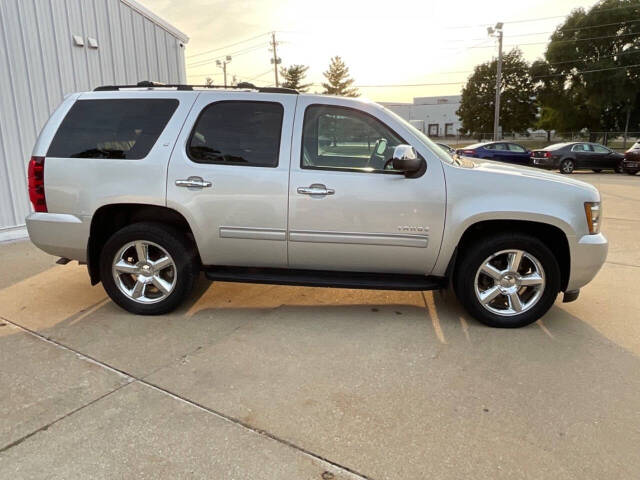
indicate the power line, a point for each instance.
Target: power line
{"x":226,"y":46}
{"x":567,"y":41}
{"x":587,"y":71}
{"x":201,"y":63}
{"x":562,"y":30}
{"x":528,"y":20}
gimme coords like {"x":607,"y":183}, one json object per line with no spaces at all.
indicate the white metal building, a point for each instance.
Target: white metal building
{"x":50,"y":48}
{"x":435,"y":116}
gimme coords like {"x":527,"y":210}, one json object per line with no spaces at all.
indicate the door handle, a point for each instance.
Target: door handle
{"x":193,"y":182}
{"x":316,"y":189}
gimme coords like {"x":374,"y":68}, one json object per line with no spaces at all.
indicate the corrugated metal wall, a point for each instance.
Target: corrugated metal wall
{"x":39,"y":65}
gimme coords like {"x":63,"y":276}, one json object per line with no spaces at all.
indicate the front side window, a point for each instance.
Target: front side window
{"x":516,"y":148}
{"x":112,"y":128}
{"x":238,"y":133}
{"x":581,"y":147}
{"x":339,"y":138}
{"x":600,"y":149}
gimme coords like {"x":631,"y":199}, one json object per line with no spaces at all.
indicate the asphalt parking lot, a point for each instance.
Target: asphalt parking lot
{"x":273,"y":382}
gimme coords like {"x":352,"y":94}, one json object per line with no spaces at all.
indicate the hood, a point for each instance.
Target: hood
{"x":523,"y":173}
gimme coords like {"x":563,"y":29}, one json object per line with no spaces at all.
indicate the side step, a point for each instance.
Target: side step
{"x":324,"y":278}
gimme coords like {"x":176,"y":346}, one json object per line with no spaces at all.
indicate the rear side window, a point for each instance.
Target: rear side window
{"x":117,"y":129}
{"x":238,"y":133}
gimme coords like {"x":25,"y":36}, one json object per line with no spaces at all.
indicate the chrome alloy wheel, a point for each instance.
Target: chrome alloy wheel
{"x":144,"y":272}
{"x":509,"y":282}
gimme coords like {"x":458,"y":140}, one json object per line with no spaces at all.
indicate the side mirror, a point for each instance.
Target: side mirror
{"x":406,"y":159}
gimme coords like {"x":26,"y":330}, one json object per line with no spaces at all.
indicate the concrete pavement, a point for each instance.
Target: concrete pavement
{"x":259,"y":381}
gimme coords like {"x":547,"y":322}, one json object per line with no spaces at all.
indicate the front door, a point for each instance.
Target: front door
{"x":228,"y":176}
{"x":346,"y":210}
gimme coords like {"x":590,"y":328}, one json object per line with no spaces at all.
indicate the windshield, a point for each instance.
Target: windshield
{"x":439,"y":152}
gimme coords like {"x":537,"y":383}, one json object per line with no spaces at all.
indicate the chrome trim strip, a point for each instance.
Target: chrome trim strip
{"x":253,"y":233}
{"x":389,"y":239}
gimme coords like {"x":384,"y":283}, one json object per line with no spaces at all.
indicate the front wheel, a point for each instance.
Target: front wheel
{"x":632,"y":172}
{"x":148,"y":268}
{"x":619,"y":168}
{"x":597,"y":170}
{"x":567,"y":166}
{"x":508,"y":280}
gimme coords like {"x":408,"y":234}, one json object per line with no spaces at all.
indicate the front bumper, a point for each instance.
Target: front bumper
{"x":60,"y":234}
{"x":588,"y":254}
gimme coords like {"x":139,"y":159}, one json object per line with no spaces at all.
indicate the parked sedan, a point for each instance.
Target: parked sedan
{"x":568,"y":157}
{"x":631,"y":163}
{"x":500,"y":151}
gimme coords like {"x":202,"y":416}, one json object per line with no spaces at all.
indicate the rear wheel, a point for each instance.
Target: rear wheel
{"x":507,"y":281}
{"x":567,"y":166}
{"x":148,"y":268}
{"x":632,"y":172}
{"x":597,"y":170}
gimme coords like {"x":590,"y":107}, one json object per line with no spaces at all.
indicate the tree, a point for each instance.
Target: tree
{"x":293,"y":76}
{"x":585,"y":81}
{"x":517,"y":108}
{"x":338,"y":80}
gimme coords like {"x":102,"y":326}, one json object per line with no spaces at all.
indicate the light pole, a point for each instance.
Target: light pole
{"x":223,"y":65}
{"x":497,"y":33}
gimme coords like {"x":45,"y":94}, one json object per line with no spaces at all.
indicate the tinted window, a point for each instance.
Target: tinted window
{"x":516,"y":148}
{"x":238,"y":133}
{"x":340,"y":138}
{"x":122,"y":129}
{"x":600,"y":149}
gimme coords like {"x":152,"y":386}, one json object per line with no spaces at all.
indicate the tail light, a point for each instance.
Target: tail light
{"x":468,"y":152}
{"x":36,"y":184}
{"x":547,"y":154}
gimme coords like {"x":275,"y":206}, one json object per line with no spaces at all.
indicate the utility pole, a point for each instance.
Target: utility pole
{"x":275,"y":61}
{"x":497,"y":32}
{"x":223,"y":65}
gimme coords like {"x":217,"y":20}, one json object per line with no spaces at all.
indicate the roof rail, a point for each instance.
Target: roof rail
{"x":149,"y":85}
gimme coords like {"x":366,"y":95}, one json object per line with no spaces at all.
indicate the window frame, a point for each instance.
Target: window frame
{"x":175,"y":101}
{"x":350,"y":170}
{"x":233,"y":164}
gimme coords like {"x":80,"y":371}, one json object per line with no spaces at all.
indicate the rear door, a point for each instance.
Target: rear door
{"x":346,"y":211}
{"x":603,"y":157}
{"x":500,"y":152}
{"x":229,"y":174}
{"x":518,"y":154}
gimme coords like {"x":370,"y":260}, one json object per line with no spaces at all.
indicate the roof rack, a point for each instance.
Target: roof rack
{"x":240,"y":86}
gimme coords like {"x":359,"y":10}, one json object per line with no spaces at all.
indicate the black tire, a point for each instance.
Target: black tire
{"x":632,"y":172}
{"x":567,"y":166}
{"x":181,"y":251}
{"x":597,"y":170}
{"x":473,"y":257}
{"x":619,"y":168}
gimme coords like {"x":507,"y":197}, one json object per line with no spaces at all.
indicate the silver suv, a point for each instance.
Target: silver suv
{"x":150,"y":185}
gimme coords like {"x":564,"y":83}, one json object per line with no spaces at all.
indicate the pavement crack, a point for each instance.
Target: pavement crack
{"x":59,"y":419}
{"x":140,"y":380}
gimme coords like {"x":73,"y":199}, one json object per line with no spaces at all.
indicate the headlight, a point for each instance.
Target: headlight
{"x":594,"y":214}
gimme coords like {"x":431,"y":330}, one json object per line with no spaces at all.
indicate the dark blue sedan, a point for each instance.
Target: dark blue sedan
{"x":500,"y":151}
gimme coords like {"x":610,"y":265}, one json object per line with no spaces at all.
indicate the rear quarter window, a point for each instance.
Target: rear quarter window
{"x":112,"y":128}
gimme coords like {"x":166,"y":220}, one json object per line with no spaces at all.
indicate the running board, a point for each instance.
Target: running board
{"x":325,"y":278}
